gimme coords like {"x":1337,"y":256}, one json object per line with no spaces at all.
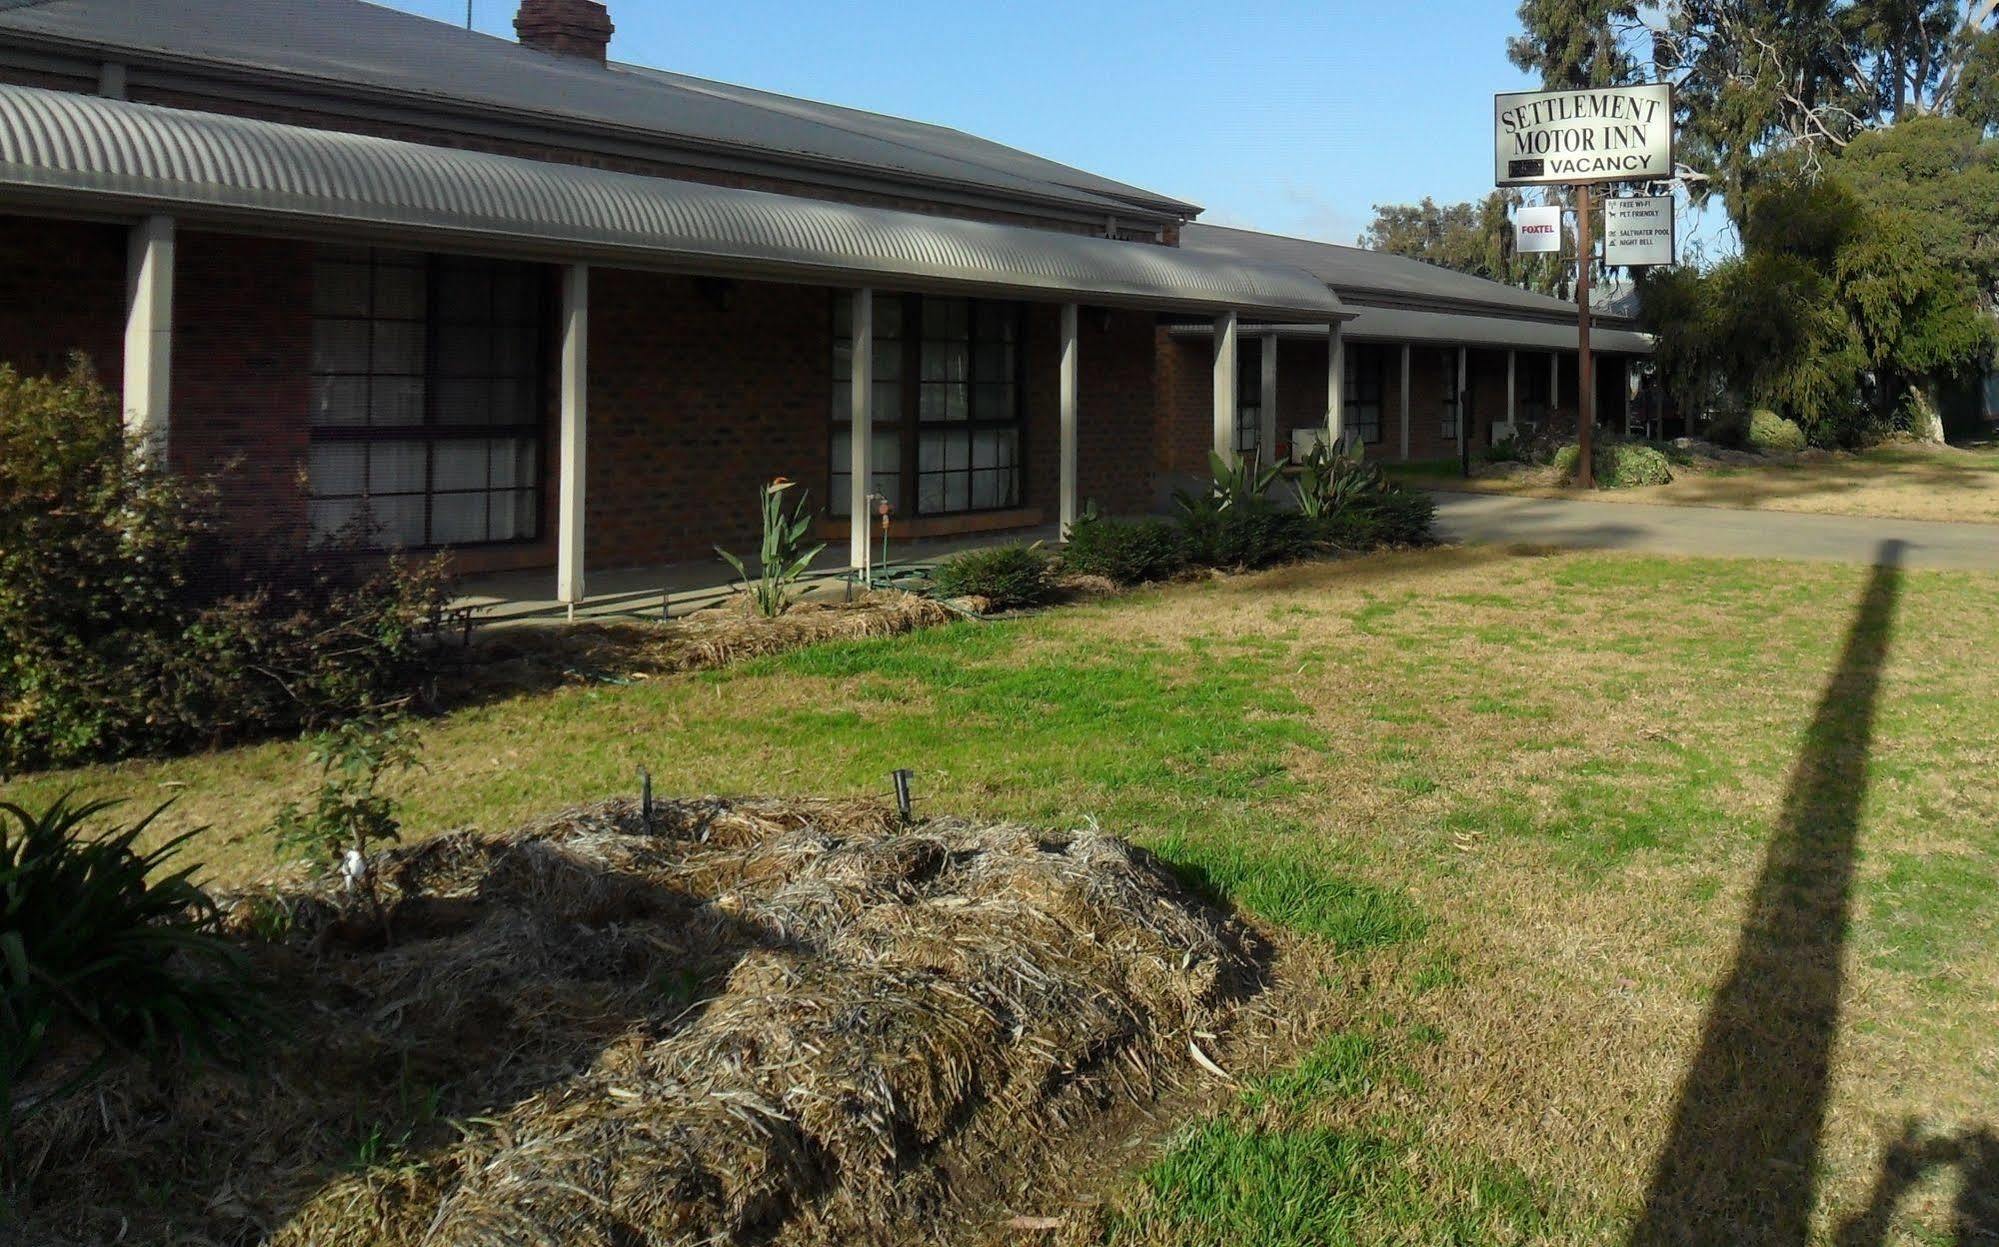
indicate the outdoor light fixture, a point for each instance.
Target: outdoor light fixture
{"x":903,"y":804}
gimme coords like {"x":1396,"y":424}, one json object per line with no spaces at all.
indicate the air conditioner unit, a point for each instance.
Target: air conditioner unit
{"x":1304,"y":442}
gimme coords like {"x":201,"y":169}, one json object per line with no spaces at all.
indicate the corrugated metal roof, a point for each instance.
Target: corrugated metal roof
{"x":1357,"y":273}
{"x":347,"y":44}
{"x":1392,"y":324}
{"x":71,"y":149}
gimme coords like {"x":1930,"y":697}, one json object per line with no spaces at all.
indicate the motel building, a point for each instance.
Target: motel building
{"x":563,"y":317}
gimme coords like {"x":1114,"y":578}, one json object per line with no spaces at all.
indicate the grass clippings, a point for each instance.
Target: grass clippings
{"x":759,"y":1022}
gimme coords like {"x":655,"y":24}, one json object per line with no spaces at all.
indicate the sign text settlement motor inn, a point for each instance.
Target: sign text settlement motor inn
{"x":1608,"y":134}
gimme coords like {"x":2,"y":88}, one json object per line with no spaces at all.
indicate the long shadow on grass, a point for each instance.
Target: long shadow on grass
{"x":1740,"y":1165}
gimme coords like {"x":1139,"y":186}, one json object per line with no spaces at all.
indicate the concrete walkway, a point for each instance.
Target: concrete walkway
{"x":1715,"y":531}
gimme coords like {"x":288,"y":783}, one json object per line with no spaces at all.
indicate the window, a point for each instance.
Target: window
{"x":1363,"y":392}
{"x":1249,"y":396}
{"x":952,"y":442}
{"x":426,"y":398}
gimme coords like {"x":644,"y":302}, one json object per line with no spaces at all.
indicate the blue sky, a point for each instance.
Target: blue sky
{"x":1285,"y":115}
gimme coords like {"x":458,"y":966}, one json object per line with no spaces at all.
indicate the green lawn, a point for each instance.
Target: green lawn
{"x":1515,"y":806}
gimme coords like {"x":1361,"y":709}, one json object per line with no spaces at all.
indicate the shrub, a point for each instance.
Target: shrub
{"x":1769,"y":432}
{"x":1729,"y":429}
{"x":1331,"y":478}
{"x":1507,"y":450}
{"x":114,"y":944}
{"x":1402,"y":517}
{"x":350,"y":815}
{"x":1244,"y":537}
{"x":1124,"y":552}
{"x":1617,"y":464}
{"x":1233,"y":524}
{"x":130,"y":622}
{"x":1007,"y":576}
{"x":784,"y":556}
{"x":1391,"y":516}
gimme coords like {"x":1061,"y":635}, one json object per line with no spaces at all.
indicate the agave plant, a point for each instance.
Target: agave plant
{"x":1235,"y":483}
{"x":1331,"y":478}
{"x":110,"y":942}
{"x":785,"y":555}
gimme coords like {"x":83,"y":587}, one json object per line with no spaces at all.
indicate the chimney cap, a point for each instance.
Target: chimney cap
{"x":580,"y":28}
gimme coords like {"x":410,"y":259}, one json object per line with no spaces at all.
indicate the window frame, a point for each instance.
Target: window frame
{"x":1249,"y":396}
{"x":1352,"y":386}
{"x":908,"y":422}
{"x":431,"y":430}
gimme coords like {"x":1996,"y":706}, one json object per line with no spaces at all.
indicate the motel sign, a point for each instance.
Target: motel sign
{"x":1606,"y":134}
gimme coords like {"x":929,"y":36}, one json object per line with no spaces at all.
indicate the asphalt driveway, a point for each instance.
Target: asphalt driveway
{"x":1491,"y":518}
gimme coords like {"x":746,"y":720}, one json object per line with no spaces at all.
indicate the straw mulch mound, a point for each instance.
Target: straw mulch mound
{"x":758,"y":1022}
{"x":526,"y":657}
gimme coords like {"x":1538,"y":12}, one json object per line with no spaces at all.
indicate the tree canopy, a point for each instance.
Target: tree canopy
{"x":1475,"y":238}
{"x":1857,"y":290}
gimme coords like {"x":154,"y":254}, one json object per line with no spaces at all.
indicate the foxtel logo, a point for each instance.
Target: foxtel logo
{"x":1537,"y":229}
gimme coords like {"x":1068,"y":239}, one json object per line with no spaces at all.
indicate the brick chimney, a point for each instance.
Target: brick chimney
{"x":569,"y":27}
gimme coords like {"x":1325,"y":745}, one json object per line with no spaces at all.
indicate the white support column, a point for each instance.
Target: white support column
{"x":1336,"y":385}
{"x":1627,"y":397}
{"x":860,"y":412}
{"x":1405,"y":400}
{"x":1512,"y":389}
{"x":1464,"y":400}
{"x":574,"y":385}
{"x":1266,"y":433}
{"x":149,"y":327}
{"x":1069,"y":379}
{"x":1225,"y":391}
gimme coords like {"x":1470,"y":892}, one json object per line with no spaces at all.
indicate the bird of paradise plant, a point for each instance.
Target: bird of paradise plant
{"x":785,"y":555}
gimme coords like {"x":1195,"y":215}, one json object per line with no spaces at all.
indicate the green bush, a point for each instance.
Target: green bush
{"x":1507,"y":450}
{"x":1232,"y":523}
{"x":1617,"y":464}
{"x":1392,"y":516}
{"x":1402,"y":517}
{"x":1768,"y":432}
{"x":106,"y":942}
{"x":1124,"y":552}
{"x":1007,"y":576}
{"x":131,"y":623}
{"x":1728,"y":429}
{"x":1245,"y":537}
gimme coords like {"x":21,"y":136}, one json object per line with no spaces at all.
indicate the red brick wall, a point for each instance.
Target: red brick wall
{"x":699,"y":394}
{"x":62,"y":289}
{"x":241,"y":351}
{"x":1184,"y":398}
{"x":1114,"y":424}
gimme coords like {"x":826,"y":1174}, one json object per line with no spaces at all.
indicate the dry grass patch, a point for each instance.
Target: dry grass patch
{"x":1910,"y":482}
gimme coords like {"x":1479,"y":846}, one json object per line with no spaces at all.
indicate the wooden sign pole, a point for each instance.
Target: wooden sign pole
{"x":1585,"y":379}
